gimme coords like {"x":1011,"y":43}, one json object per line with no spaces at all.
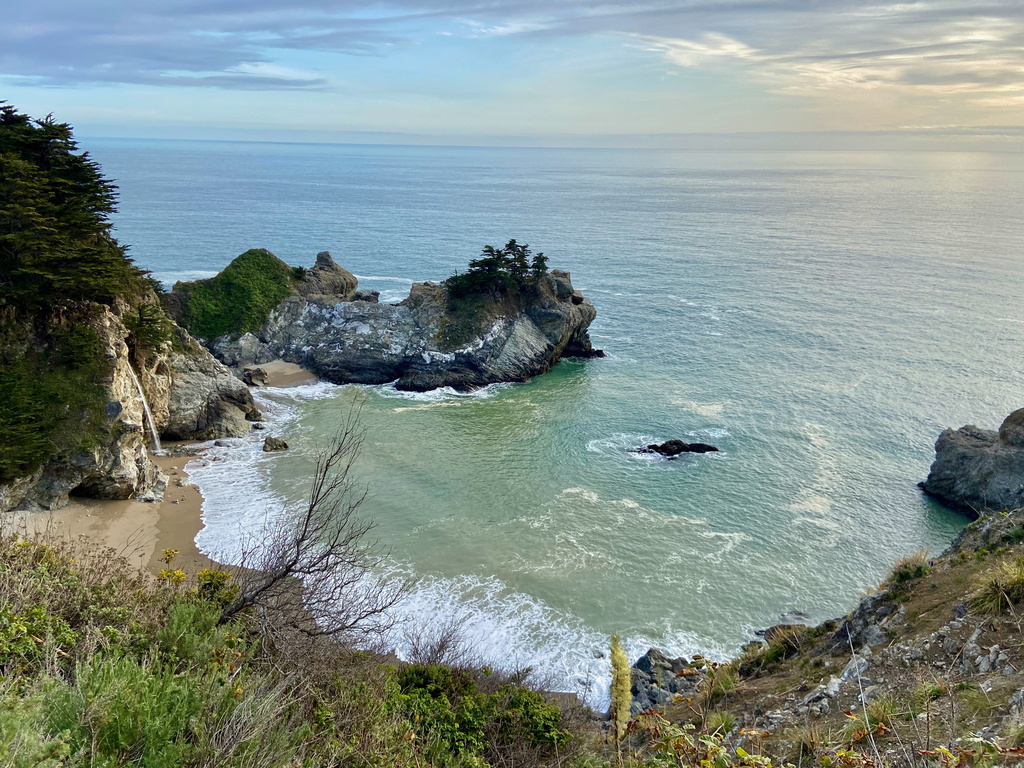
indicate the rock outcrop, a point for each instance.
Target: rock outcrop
{"x":656,"y":680}
{"x":273,"y":444}
{"x":978,"y":469}
{"x":327,"y":279}
{"x":424,"y":342}
{"x":205,"y":399}
{"x":190,"y":395}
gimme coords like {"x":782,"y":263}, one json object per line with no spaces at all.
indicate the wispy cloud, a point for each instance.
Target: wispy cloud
{"x":918,"y":49}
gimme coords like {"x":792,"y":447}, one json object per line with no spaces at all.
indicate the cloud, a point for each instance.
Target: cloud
{"x":927,"y":50}
{"x":972,"y":53}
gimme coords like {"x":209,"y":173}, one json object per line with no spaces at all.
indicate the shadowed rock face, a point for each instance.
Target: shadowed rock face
{"x":370,"y":343}
{"x":977,"y":469}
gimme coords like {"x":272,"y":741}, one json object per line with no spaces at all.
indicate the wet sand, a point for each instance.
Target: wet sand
{"x":138,"y":531}
{"x":282,"y":374}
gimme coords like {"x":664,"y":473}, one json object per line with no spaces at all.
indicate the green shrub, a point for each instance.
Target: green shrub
{"x":148,"y":328}
{"x":213,"y":584}
{"x":237,"y":301}
{"x":910,"y":567}
{"x":24,"y":637}
{"x":121,"y":709}
{"x":22,"y":743}
{"x":445,"y":708}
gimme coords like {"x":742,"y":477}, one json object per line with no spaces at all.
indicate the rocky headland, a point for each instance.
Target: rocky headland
{"x":978,"y":469}
{"x":432,"y":339}
{"x":190,"y":395}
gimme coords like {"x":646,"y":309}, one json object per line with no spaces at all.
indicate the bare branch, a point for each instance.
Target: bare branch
{"x":319,"y":572}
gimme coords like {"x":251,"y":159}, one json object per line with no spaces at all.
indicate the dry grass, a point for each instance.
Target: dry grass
{"x":1000,"y":588}
{"x":912,"y":566}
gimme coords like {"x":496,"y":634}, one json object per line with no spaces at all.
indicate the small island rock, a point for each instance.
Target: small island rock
{"x":672,"y":448}
{"x":977,"y":469}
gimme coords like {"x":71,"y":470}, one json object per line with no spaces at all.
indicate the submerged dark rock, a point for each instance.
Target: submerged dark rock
{"x":673,"y":448}
{"x":977,"y":469}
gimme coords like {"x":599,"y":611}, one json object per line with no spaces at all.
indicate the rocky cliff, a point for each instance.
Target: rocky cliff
{"x":424,"y":342}
{"x":977,"y":469}
{"x":190,"y":395}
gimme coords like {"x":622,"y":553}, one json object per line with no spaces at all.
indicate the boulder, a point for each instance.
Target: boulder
{"x":254,"y":377}
{"x":1011,"y":431}
{"x":370,"y":297}
{"x":274,"y":444}
{"x":673,"y":448}
{"x":977,"y":469}
{"x":328,"y":279}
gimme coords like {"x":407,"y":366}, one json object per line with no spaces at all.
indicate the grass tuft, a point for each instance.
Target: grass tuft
{"x":1000,"y":588}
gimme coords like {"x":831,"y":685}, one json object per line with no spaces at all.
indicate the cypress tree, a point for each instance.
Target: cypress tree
{"x":55,"y":207}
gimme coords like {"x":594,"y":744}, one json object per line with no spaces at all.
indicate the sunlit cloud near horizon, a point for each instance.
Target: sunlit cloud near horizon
{"x":465,"y":71}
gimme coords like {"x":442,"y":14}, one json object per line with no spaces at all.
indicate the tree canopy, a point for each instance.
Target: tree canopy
{"x":55,"y":207}
{"x":510,"y":269}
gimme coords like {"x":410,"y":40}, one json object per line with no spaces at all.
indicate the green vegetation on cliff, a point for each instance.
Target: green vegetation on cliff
{"x":236,"y":301}
{"x":52,"y":399}
{"x":58,"y":263}
{"x":507,"y":270}
{"x":495,"y":284}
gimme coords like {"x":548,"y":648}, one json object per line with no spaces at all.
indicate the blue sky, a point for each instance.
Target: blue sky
{"x":520,"y":71}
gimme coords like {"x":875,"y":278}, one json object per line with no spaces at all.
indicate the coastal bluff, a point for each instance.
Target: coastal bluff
{"x":431,"y":339}
{"x":977,"y":469}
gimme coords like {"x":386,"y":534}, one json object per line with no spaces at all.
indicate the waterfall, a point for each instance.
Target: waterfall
{"x":149,"y":415}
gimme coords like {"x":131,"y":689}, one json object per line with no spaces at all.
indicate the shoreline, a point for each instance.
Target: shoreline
{"x":137,"y":530}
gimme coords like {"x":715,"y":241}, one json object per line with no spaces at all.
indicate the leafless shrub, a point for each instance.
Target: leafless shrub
{"x":319,"y":572}
{"x":440,"y":642}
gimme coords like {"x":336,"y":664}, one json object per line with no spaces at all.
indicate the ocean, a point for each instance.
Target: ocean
{"x":819,"y":316}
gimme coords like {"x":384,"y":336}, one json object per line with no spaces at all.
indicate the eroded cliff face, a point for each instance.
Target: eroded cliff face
{"x":189,"y":393}
{"x":421,"y":342}
{"x":978,"y":469}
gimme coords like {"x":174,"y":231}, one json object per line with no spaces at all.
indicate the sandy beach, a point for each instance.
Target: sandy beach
{"x":282,"y":374}
{"x":138,"y":531}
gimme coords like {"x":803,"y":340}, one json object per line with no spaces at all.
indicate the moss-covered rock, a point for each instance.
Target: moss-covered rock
{"x":237,"y":300}
{"x":240,"y":299}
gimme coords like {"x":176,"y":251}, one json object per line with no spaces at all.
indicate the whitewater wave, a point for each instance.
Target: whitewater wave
{"x":511,"y":630}
{"x":440,"y":395}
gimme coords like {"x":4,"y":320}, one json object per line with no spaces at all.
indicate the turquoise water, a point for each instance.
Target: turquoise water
{"x":818,"y":316}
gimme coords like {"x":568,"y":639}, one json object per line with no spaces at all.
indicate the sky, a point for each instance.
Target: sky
{"x":577,"y":72}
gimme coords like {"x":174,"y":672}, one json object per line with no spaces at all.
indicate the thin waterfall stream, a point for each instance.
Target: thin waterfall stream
{"x":149,"y":414}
